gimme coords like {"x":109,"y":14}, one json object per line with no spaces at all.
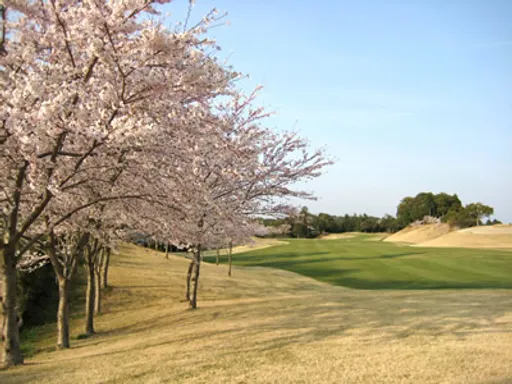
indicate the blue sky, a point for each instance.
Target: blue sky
{"x":407,"y":97}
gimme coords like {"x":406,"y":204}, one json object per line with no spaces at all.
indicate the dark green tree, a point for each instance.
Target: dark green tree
{"x":478,"y":211}
{"x":445,"y":203}
{"x":389,"y":224}
{"x":404,"y":211}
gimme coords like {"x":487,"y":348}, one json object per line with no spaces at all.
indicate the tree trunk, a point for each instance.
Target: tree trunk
{"x":218,"y":251}
{"x":167,"y":250}
{"x":10,"y":332}
{"x":97,"y":293}
{"x":64,"y":269}
{"x":89,"y":298}
{"x":105,"y":268}
{"x":197,"y":262}
{"x":230,"y":257}
{"x":63,"y":314}
{"x":189,"y":278}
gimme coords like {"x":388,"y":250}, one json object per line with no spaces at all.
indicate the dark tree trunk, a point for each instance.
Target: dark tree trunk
{"x":89,"y":297}
{"x":63,"y":315}
{"x":197,"y":262}
{"x":64,"y":268}
{"x":230,"y":257}
{"x":97,"y":293}
{"x":98,"y":269}
{"x":105,"y":268}
{"x":218,"y":251}
{"x":189,"y":278}
{"x":10,"y":332}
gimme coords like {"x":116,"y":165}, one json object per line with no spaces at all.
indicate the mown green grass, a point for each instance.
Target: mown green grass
{"x":361,"y":262}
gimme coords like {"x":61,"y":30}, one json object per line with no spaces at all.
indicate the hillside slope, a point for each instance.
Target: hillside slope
{"x":272,"y":326}
{"x":419,"y":233}
{"x":496,"y":236}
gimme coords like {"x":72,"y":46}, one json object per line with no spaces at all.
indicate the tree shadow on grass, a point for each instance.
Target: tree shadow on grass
{"x":358,"y":283}
{"x":323,"y":316}
{"x":122,"y":287}
{"x":271,"y":324}
{"x":272,"y":260}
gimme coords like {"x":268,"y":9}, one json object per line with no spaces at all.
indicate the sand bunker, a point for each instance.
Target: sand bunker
{"x":496,"y":236}
{"x":419,"y":233}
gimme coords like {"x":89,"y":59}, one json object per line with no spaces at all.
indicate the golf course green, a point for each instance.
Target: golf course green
{"x":364,"y":262}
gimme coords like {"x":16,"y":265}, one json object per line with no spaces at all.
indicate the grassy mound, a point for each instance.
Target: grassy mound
{"x":496,"y":236}
{"x":419,"y":233}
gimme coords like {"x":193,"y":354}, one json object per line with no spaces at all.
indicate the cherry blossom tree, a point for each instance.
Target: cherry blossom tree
{"x":77,"y":80}
{"x":232,"y":232}
{"x":109,"y":121}
{"x":251,"y":174}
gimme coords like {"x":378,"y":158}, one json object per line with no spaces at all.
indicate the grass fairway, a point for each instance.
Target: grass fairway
{"x":268,"y":325}
{"x":362,"y":262}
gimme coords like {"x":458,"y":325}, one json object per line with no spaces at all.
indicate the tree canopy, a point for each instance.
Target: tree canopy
{"x":424,"y":204}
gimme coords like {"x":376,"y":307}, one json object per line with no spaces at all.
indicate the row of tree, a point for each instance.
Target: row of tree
{"x":112,"y":124}
{"x":307,"y":225}
{"x":445,"y":207}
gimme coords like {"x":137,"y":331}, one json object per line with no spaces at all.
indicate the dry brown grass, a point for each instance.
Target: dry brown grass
{"x":496,"y":236}
{"x":419,"y":234}
{"x":272,"y":326}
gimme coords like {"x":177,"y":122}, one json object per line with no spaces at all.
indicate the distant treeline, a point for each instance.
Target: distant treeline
{"x":308,"y":225}
{"x":447,"y":208}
